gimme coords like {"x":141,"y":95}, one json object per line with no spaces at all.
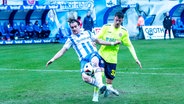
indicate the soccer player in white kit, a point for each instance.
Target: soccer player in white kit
{"x":83,"y":44}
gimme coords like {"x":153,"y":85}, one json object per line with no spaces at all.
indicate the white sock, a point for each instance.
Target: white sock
{"x":109,"y":85}
{"x":98,"y":77}
{"x":93,"y":82}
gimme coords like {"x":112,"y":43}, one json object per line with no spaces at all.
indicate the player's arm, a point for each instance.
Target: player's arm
{"x":126,"y":41}
{"x":57,"y":55}
{"x":102,"y":42}
{"x":132,"y":51}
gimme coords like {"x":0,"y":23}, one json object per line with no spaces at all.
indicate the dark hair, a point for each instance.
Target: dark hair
{"x":79,"y":17}
{"x":73,"y":20}
{"x":119,"y":15}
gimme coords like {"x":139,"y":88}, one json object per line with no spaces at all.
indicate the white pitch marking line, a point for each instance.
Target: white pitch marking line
{"x":137,"y":73}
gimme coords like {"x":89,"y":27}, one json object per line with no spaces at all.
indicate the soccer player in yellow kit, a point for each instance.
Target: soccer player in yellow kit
{"x":111,"y":33}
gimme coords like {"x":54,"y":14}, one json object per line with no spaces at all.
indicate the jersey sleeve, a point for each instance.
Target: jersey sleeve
{"x":68,"y":43}
{"x":126,"y":41}
{"x":125,"y":38}
{"x":92,"y":35}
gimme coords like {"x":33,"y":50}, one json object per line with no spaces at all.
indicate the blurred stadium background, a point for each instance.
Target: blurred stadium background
{"x":19,"y":13}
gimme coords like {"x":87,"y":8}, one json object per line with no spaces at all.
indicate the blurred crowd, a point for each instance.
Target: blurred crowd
{"x":29,"y":30}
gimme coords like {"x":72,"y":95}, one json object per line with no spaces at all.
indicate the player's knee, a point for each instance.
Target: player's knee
{"x":95,"y":61}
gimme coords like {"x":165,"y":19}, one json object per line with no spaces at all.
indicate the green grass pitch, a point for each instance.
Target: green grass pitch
{"x":24,"y":79}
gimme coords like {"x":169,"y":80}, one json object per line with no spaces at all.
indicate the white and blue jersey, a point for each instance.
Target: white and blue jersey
{"x":82,"y":44}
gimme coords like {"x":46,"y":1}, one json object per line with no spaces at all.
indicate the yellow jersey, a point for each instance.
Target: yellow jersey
{"x":111,"y":34}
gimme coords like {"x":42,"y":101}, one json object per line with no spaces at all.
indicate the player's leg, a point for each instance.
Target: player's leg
{"x":169,"y":33}
{"x":95,"y":81}
{"x":86,"y":78}
{"x":110,"y":88}
{"x":95,"y":94}
{"x":90,"y":80}
{"x":97,"y":63}
{"x":110,"y":71}
{"x":165,"y":34}
{"x":96,"y":89}
{"x":97,"y":70}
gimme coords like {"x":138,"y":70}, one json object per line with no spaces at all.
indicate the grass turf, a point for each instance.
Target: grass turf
{"x":24,"y":79}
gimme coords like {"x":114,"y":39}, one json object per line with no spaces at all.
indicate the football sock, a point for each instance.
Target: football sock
{"x":102,"y":74}
{"x":97,"y":81}
{"x":98,"y":77}
{"x":93,"y":82}
{"x":96,"y":89}
{"x":108,"y":85}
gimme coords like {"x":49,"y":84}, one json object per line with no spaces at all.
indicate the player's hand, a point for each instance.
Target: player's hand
{"x":49,"y":62}
{"x":139,"y":63}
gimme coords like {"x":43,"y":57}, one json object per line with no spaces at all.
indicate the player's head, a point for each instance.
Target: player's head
{"x":118,"y":19}
{"x":79,"y":17}
{"x":167,"y":14}
{"x":75,"y":26}
{"x":89,"y":13}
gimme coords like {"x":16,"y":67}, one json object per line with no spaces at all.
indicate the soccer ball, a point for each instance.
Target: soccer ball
{"x":89,"y":69}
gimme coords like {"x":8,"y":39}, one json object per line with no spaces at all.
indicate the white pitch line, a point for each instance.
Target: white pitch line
{"x":38,"y":70}
{"x":155,"y":68}
{"x":78,"y":71}
{"x":166,"y":74}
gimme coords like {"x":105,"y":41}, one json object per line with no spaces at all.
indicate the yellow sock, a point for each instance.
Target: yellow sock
{"x":108,"y":85}
{"x":96,"y":89}
{"x":102,"y":74}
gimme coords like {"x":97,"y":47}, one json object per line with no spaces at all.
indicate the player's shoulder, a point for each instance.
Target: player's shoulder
{"x":123,"y":28}
{"x":71,"y":37}
{"x":87,"y":33}
{"x":106,"y":26}
{"x":83,"y":32}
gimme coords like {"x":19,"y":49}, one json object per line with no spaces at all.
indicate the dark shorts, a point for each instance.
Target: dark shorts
{"x":110,"y":70}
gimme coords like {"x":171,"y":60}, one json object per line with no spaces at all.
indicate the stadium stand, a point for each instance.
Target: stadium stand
{"x":62,"y":35}
{"x":178,"y":27}
{"x":2,"y":32}
{"x":18,"y":16}
{"x":22,"y":27}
